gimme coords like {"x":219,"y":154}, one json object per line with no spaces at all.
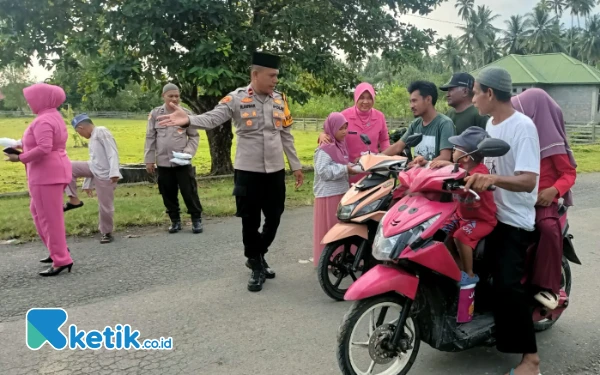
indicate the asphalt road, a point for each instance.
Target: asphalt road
{"x":193,"y":289}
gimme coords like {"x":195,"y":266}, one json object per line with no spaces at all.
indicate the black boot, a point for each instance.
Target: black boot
{"x":197,"y":226}
{"x":269,"y":273}
{"x":175,"y":226}
{"x":257,"y":277}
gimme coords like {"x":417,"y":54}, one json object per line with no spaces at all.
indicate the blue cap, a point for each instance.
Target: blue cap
{"x":469,"y":139}
{"x":80,"y":118}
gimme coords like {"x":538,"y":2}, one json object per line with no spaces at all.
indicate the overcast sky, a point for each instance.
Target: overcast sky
{"x":443,"y":19}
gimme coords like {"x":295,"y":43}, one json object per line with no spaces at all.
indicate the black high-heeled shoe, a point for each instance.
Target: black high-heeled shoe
{"x":49,"y":259}
{"x":55,"y":271}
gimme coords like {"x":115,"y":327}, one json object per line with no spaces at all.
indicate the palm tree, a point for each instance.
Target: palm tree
{"x":473,"y":40}
{"x":589,"y":42}
{"x":558,"y":6}
{"x":478,"y":33}
{"x":492,"y":51}
{"x":544,"y":5}
{"x":543,"y":32}
{"x":580,"y":8}
{"x":451,"y":54}
{"x":514,"y":35}
{"x":465,"y":8}
{"x":570,"y":38}
{"x":486,"y":17}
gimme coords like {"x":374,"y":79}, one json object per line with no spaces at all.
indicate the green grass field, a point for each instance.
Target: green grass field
{"x":142,"y":205}
{"x":130,"y":136}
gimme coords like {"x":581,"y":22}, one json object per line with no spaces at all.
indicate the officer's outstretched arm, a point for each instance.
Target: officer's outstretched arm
{"x":222,"y":113}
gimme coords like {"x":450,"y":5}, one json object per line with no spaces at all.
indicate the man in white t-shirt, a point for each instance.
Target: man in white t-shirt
{"x":516,"y":177}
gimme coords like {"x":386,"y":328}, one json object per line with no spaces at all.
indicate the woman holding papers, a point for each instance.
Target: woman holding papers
{"x":48,"y":171}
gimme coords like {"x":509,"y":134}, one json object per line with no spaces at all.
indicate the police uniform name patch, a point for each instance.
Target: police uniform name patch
{"x":246,"y":106}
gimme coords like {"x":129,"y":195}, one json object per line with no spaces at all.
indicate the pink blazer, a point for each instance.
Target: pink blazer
{"x":377,"y":132}
{"x":45,"y":139}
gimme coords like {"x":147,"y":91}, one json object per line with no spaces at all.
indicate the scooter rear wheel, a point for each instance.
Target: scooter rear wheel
{"x":338,"y":265}
{"x":381,"y":313}
{"x":565,"y":284}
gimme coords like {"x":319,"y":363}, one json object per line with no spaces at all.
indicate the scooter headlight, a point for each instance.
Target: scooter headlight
{"x":389,"y":248}
{"x":369,"y":208}
{"x":345,"y":212}
{"x":384,"y":246}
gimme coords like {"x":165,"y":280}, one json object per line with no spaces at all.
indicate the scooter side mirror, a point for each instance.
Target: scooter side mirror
{"x":414,"y":140}
{"x":493,"y":147}
{"x":365,"y":138}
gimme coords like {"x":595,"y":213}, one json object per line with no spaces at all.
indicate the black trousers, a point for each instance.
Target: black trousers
{"x":505,"y":252}
{"x":173,"y":179}
{"x":255,"y":193}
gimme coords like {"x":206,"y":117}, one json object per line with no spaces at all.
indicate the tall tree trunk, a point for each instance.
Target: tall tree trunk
{"x":571,"y":41}
{"x":219,"y":139}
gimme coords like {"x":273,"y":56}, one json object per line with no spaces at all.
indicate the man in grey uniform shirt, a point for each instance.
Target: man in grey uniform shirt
{"x":161,"y":142}
{"x":262,"y":125}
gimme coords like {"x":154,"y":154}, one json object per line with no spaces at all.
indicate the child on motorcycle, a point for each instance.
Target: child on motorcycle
{"x":473,"y":220}
{"x":332,"y":170}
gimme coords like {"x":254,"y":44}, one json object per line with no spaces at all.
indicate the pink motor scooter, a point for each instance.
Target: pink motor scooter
{"x":416,"y":286}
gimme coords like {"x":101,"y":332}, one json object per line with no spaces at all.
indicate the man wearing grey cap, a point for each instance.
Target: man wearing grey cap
{"x":100,"y":172}
{"x":161,"y":143}
{"x":516,"y":177}
{"x":262,"y":122}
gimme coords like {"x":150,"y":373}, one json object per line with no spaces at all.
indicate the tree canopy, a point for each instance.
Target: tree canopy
{"x":205,"y":46}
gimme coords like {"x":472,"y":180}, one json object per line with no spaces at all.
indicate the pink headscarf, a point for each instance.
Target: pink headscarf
{"x":360,"y":89}
{"x":42,"y":97}
{"x":336,"y":150}
{"x":548,"y":118}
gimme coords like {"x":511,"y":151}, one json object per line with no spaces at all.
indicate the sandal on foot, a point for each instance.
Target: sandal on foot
{"x":548,"y":299}
{"x":70,"y":206}
{"x":468,"y":280}
{"x":106,"y":238}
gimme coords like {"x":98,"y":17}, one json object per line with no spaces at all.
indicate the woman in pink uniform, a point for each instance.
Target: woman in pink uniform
{"x":363,"y":119}
{"x":48,"y":171}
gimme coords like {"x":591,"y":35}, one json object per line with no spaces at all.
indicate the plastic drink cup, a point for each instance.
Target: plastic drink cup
{"x":466,"y":304}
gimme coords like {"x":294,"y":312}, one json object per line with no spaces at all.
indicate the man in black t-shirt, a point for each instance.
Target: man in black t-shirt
{"x":459,"y":97}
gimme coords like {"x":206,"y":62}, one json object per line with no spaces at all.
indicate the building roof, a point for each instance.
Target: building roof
{"x":550,"y":69}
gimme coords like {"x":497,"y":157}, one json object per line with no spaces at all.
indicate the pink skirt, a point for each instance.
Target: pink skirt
{"x":324,"y":218}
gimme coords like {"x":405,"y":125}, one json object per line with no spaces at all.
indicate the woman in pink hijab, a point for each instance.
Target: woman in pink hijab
{"x":48,"y":170}
{"x":332,"y":169}
{"x":363,"y":119}
{"x":557,"y":177}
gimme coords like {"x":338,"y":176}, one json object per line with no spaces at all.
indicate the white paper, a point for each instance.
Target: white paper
{"x":181,"y":155}
{"x":180,"y":161}
{"x":9,"y":142}
{"x":356,"y":168}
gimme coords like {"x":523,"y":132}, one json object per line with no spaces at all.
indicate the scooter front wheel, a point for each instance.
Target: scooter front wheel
{"x":366,"y":351}
{"x":336,"y":266}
